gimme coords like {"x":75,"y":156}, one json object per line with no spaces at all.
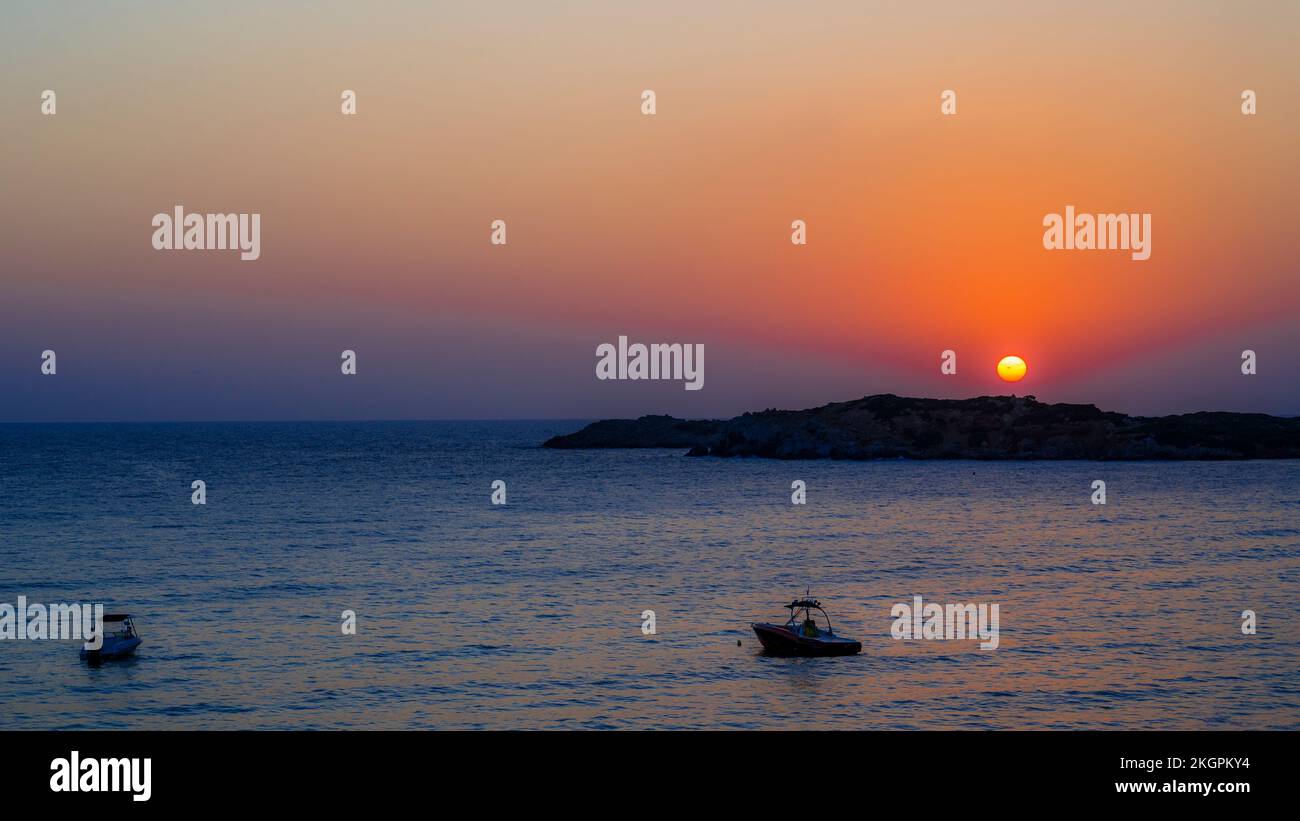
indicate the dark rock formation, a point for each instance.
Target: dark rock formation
{"x":646,"y":432}
{"x":986,"y":427}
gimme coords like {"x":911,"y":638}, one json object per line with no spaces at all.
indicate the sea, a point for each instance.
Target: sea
{"x":533,"y":614}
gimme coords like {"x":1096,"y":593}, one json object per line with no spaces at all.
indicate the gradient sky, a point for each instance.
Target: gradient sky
{"x":924,"y":231}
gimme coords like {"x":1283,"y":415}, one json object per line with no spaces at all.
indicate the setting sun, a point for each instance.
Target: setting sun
{"x":1012,"y":368}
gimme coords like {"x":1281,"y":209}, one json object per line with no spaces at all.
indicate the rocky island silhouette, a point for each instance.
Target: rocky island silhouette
{"x":886,"y":426}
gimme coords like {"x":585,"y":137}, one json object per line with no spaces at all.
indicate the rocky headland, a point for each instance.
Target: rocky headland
{"x":986,"y":427}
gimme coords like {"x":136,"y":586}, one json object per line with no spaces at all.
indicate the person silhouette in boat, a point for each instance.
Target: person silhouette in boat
{"x":810,"y":628}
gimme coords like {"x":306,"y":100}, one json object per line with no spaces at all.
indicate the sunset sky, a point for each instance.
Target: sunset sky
{"x":924,"y":231}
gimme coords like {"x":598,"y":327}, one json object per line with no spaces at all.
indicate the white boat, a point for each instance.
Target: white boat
{"x":120,"y":638}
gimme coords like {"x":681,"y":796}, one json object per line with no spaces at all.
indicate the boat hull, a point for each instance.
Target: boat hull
{"x":781,"y":641}
{"x":112,"y":649}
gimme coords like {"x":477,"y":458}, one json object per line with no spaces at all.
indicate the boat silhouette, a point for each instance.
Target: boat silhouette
{"x":117,"y":644}
{"x":801,"y":636}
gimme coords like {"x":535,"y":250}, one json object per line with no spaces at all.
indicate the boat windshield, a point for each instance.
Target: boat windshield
{"x":118,"y":630}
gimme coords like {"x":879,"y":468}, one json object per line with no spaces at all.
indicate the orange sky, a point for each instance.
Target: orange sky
{"x":924,"y":230}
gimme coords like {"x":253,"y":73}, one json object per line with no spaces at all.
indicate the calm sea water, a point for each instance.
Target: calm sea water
{"x":529,"y":615}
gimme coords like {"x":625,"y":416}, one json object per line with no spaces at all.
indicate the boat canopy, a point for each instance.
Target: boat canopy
{"x":116,"y":616}
{"x":797,"y":604}
{"x":805,"y":606}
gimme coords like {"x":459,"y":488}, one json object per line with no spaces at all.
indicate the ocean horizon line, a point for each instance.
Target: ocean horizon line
{"x":403,"y":420}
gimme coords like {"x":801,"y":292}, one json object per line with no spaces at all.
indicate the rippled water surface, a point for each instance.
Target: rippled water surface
{"x":528,"y":615}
